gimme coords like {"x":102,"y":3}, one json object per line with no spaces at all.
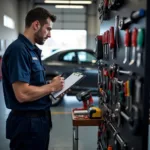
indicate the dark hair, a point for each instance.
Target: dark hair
{"x":39,"y":14}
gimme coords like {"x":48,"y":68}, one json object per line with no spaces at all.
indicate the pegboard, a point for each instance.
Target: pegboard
{"x":133,"y":138}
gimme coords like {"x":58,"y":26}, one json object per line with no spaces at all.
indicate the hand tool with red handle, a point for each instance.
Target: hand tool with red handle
{"x":112,"y":42}
{"x":126,"y":44}
{"x":134,"y":45}
{"x":105,"y":74}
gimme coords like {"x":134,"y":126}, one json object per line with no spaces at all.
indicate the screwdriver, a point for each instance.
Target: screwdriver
{"x":103,"y":46}
{"x":107,"y":42}
{"x":140,"y":41}
{"x":128,"y":94}
{"x":130,"y":88}
{"x":134,"y":45}
{"x":126,"y":44}
{"x":112,"y":41}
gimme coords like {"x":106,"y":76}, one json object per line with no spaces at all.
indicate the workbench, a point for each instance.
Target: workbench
{"x":82,"y":122}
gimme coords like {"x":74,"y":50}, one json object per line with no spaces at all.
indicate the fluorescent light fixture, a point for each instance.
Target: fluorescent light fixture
{"x":70,"y":6}
{"x":68,"y":2}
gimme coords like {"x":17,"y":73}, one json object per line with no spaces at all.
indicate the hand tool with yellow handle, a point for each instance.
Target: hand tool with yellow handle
{"x":91,"y":112}
{"x":129,"y":94}
{"x":94,"y":113}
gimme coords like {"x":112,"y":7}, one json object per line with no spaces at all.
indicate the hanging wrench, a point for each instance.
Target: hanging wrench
{"x":138,"y":85}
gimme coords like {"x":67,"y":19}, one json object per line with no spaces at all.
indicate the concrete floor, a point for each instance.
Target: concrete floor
{"x":61,"y":135}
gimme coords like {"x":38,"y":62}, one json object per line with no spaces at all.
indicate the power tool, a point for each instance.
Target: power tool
{"x":88,"y":109}
{"x":86,"y":98}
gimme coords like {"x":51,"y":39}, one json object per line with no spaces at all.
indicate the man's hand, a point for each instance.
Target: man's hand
{"x":65,"y":93}
{"x":57,"y":83}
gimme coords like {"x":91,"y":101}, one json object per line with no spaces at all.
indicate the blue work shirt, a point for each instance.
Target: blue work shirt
{"x":22,"y":62}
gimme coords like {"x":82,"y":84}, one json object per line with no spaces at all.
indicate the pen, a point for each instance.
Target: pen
{"x":62,"y":75}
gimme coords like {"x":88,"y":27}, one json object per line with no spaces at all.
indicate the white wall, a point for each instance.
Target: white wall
{"x":93,"y":25}
{"x":23,"y":7}
{"x":9,"y":8}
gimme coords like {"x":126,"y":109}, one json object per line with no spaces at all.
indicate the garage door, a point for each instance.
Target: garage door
{"x":73,"y":19}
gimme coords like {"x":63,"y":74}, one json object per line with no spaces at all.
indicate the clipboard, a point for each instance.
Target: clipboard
{"x":69,"y":82}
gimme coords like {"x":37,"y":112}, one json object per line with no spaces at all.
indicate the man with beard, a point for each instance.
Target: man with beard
{"x":25,"y":89}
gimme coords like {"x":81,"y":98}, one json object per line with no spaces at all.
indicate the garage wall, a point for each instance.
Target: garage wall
{"x":23,"y":7}
{"x":86,"y":18}
{"x":93,"y":24}
{"x":9,"y":8}
{"x":74,"y":19}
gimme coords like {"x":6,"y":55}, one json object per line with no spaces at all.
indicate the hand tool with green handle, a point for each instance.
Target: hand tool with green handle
{"x":140,"y":42}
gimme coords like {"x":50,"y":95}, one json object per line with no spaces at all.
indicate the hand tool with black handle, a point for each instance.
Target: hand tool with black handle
{"x":115,"y":4}
{"x":106,"y":10}
{"x":99,"y":47}
{"x":116,"y":35}
{"x":103,"y":42}
{"x":138,"y":89}
{"x":107,"y":43}
{"x":124,"y":22}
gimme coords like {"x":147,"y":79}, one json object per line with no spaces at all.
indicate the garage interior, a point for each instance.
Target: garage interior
{"x":78,"y":29}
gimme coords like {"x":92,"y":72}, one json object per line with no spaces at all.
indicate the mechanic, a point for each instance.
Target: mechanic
{"x":25,"y":90}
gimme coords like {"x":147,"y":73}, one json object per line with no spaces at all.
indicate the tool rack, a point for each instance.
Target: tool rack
{"x":123,"y":78}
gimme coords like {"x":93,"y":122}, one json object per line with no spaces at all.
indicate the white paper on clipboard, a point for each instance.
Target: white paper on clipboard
{"x":69,"y":82}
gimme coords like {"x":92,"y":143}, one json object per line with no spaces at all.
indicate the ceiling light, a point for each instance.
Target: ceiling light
{"x":68,"y":2}
{"x":70,"y":6}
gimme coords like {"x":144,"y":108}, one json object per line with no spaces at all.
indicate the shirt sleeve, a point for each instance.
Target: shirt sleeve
{"x":19,"y":68}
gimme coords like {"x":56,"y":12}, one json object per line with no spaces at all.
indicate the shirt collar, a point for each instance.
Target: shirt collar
{"x":28,"y":43}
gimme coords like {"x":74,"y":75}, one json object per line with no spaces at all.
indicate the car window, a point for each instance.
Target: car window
{"x":70,"y":56}
{"x":85,"y":57}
